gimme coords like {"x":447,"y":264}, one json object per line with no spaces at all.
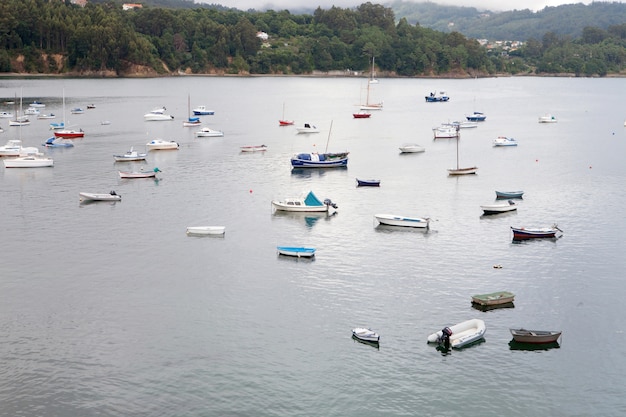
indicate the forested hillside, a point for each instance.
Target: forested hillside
{"x":56,"y":37}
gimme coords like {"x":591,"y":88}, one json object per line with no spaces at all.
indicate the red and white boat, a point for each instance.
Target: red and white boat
{"x":69,"y":133}
{"x":362,"y":115}
{"x":283,"y":121}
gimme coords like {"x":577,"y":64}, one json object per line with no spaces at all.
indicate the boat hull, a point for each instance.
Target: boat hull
{"x":535,"y":336}
{"x":159,"y":145}
{"x":69,"y":134}
{"x":462,"y":171}
{"x":494,"y":298}
{"x":498,"y":208}
{"x":368,"y":183}
{"x":509,"y":194}
{"x":320,"y":160}
{"x":99,"y":197}
{"x":412,"y":149}
{"x":542,"y":233}
{"x":206,"y":230}
{"x":259,"y":148}
{"x":283,"y":206}
{"x":296,"y":251}
{"x":137,"y":174}
{"x":402,"y":221}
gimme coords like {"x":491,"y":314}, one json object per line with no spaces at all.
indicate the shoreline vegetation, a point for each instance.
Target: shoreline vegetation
{"x":101,"y":40}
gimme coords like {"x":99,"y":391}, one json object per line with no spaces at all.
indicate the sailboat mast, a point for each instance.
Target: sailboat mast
{"x":328,"y":140}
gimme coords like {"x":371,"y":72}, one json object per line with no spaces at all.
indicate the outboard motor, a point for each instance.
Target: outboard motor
{"x":113,"y":192}
{"x":328,"y":202}
{"x":445,"y":337}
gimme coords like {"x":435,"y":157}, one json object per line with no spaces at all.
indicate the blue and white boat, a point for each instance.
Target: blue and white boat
{"x":59,"y":125}
{"x":437,"y":97}
{"x":50,"y":143}
{"x":367,"y":183}
{"x":504,"y":141}
{"x":403,"y":221}
{"x":297,"y":251}
{"x":203,"y":111}
{"x":509,"y":194}
{"x":476,"y":117}
{"x":320,"y":160}
{"x":192,"y":121}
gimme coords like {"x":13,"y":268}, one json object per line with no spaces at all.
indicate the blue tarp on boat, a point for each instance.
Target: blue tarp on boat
{"x":312,"y":200}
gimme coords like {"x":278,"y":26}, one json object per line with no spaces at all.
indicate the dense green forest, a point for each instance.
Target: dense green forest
{"x":54,"y":36}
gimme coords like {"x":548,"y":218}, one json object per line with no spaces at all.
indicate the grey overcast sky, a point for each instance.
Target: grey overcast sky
{"x":493,"y":5}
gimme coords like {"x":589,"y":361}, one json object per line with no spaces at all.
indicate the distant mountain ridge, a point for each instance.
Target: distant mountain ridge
{"x":566,"y":20}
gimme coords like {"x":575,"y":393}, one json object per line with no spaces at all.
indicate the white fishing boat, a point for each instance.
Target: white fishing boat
{"x":139,"y":174}
{"x":402,"y":221}
{"x":202,"y":111}
{"x":461,"y":334}
{"x":160,"y":144}
{"x":446,"y":131}
{"x":14,"y":147}
{"x":307,"y":128}
{"x":504,"y":141}
{"x":547,"y":118}
{"x":206,"y":230}
{"x":131,"y":155}
{"x":110,"y":196}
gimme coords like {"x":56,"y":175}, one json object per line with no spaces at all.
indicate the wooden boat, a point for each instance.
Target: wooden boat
{"x":547,"y":118}
{"x":499,"y":208}
{"x":367,"y":183}
{"x":411,"y":148}
{"x":446,"y":131}
{"x":362,"y":115}
{"x":164,"y":145}
{"x":308,"y":203}
{"x":308,"y":128}
{"x":207,"y":132}
{"x":494,"y":298}
{"x":504,"y":141}
{"x":522,"y":233}
{"x":110,"y":196}
{"x":206,"y":230}
{"x":458,"y":170}
{"x":366,"y":335}
{"x":253,"y":148}
{"x":29,"y":161}
{"x":509,"y":194}
{"x":461,"y":334}
{"x":139,"y":174}
{"x":203,"y":111}
{"x":131,"y":155}
{"x":297,"y":251}
{"x":476,"y":117}
{"x":535,"y":336}
{"x":402,"y":221}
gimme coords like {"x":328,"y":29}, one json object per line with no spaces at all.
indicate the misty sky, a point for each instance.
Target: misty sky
{"x":493,"y":5}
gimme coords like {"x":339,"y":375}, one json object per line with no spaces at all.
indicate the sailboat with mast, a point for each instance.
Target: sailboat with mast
{"x":369,"y":105}
{"x":283,"y":121}
{"x":191,"y":121}
{"x":458,"y":170}
{"x":64,"y":132}
{"x":20,"y":120}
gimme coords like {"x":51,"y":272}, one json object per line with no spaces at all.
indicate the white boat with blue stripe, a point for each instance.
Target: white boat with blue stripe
{"x":402,"y":221}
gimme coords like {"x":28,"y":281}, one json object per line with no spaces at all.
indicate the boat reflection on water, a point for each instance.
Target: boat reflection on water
{"x":317,"y":172}
{"x":385,"y":228}
{"x":513,"y":345}
{"x":375,"y":345}
{"x":492,"y":307}
{"x":309,"y":218}
{"x":448,"y":350}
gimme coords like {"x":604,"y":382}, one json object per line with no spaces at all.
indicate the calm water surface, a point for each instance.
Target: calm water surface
{"x":110,"y":309}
